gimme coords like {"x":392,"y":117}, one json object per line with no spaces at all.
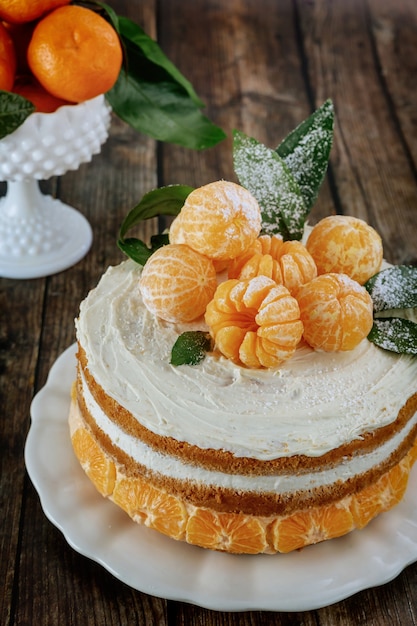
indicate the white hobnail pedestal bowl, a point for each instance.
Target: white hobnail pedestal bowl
{"x":40,"y":235}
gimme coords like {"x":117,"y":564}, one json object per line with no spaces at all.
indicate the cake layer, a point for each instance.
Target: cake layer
{"x":236,"y":532}
{"x":313,"y":404}
{"x":246,"y":492}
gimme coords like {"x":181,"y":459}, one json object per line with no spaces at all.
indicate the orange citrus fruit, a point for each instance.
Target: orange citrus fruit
{"x":176,"y":234}
{"x":96,"y":464}
{"x":231,"y":532}
{"x":254,"y":322}
{"x":75,"y":54}
{"x":21,"y":11}
{"x":30,"y":89}
{"x":7,"y":60}
{"x":311,"y":526}
{"x":337,"y":312}
{"x":286,"y":262}
{"x":151,"y":506}
{"x":382,"y":495}
{"x":346,"y":245}
{"x":21,"y":35}
{"x":219,"y":220}
{"x":177,"y":283}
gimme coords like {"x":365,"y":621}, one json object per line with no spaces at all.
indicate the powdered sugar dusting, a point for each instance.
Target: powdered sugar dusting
{"x":265,"y":174}
{"x":394,"y":288}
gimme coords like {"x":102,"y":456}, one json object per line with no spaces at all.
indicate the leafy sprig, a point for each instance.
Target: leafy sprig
{"x":191,"y":347}
{"x":394,"y":292}
{"x":163,"y":201}
{"x":286,"y":181}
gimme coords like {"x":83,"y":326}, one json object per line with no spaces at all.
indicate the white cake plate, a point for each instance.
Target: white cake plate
{"x":40,"y":235}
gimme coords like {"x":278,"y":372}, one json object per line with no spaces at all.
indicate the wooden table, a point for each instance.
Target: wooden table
{"x":261,"y":66}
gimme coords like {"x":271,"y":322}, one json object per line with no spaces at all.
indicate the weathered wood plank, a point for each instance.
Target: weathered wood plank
{"x":394,"y":27}
{"x":21,"y":306}
{"x":372,"y":171}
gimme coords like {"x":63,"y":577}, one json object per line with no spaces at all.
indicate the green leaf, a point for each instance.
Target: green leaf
{"x":135,"y":249}
{"x":306,"y":151}
{"x":131,"y":32}
{"x":395,"y":334}
{"x":394,"y":288}
{"x":14,"y":109}
{"x":163,"y":201}
{"x":191,"y":347}
{"x":154,"y":97}
{"x":265,"y":174}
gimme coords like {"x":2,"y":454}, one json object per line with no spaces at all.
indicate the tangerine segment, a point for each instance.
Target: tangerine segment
{"x":22,"y":11}
{"x":311,"y":526}
{"x":382,"y":495}
{"x":336,"y":311}
{"x":346,"y":245}
{"x":231,"y":532}
{"x":98,"y":467}
{"x":75,"y":54}
{"x":177,"y":283}
{"x":151,"y":506}
{"x":7,"y":60}
{"x":254,"y":322}
{"x":220,"y":220}
{"x":288,"y":263}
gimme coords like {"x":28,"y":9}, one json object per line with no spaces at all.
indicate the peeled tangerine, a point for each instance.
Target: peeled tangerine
{"x":336,"y":311}
{"x":177,"y":283}
{"x":219,"y":220}
{"x":254,"y":322}
{"x":346,"y":245}
{"x":287,"y":262}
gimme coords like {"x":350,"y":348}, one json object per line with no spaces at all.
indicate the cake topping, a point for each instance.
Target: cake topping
{"x":394,"y":295}
{"x":288,"y":263}
{"x":220,"y":220}
{"x":347,"y":245}
{"x":254,"y":322}
{"x":286,"y":181}
{"x":177,"y":283}
{"x":336,"y":312}
{"x":259,"y":238}
{"x":394,"y":288}
{"x":190,"y":348}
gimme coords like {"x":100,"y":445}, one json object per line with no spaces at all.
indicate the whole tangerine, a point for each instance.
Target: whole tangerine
{"x":346,"y":245}
{"x":336,"y":311}
{"x":75,"y":54}
{"x":21,"y":35}
{"x":177,"y":283}
{"x":220,"y":220}
{"x":43,"y":101}
{"x":22,"y":11}
{"x":7,"y":60}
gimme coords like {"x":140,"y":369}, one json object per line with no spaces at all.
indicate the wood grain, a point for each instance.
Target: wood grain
{"x":260,"y":66}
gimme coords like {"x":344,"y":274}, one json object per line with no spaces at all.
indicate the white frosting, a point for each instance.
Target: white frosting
{"x":168,"y":465}
{"x":313,"y":403}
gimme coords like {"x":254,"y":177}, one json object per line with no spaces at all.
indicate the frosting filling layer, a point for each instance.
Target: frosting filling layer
{"x":167,"y":465}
